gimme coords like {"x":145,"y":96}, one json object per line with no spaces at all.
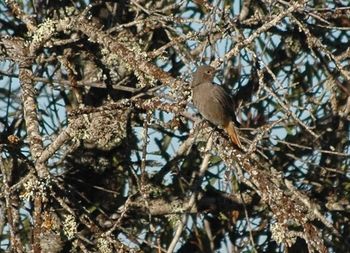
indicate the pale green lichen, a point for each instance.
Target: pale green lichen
{"x":103,"y":130}
{"x":68,"y":11}
{"x":45,"y":31}
{"x":174,"y":219}
{"x":34,"y":186}
{"x":120,"y":67}
{"x":293,"y":45}
{"x":178,"y":208}
{"x":75,"y":247}
{"x":281,"y":234}
{"x":29,"y":189}
{"x":69,"y":226}
{"x":144,"y":79}
{"x":104,"y":246}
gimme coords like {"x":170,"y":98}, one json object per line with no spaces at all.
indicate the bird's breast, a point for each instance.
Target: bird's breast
{"x":208,"y":106}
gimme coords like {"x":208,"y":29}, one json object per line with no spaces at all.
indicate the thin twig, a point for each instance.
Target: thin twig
{"x":193,"y":197}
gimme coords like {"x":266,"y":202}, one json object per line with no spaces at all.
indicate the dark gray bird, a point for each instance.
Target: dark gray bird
{"x":213,"y":103}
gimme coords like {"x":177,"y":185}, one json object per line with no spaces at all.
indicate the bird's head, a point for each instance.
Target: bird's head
{"x":203,"y":74}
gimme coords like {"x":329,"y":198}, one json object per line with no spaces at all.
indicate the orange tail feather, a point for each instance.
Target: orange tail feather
{"x":231,"y":130}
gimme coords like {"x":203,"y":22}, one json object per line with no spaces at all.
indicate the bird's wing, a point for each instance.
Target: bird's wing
{"x":220,"y":95}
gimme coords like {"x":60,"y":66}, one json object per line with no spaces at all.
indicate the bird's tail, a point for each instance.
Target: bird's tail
{"x":232,"y":132}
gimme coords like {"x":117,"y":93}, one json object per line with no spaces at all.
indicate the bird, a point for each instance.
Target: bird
{"x":212,"y":102}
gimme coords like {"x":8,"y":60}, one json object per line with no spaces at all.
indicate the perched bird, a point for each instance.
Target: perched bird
{"x":213,"y":103}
